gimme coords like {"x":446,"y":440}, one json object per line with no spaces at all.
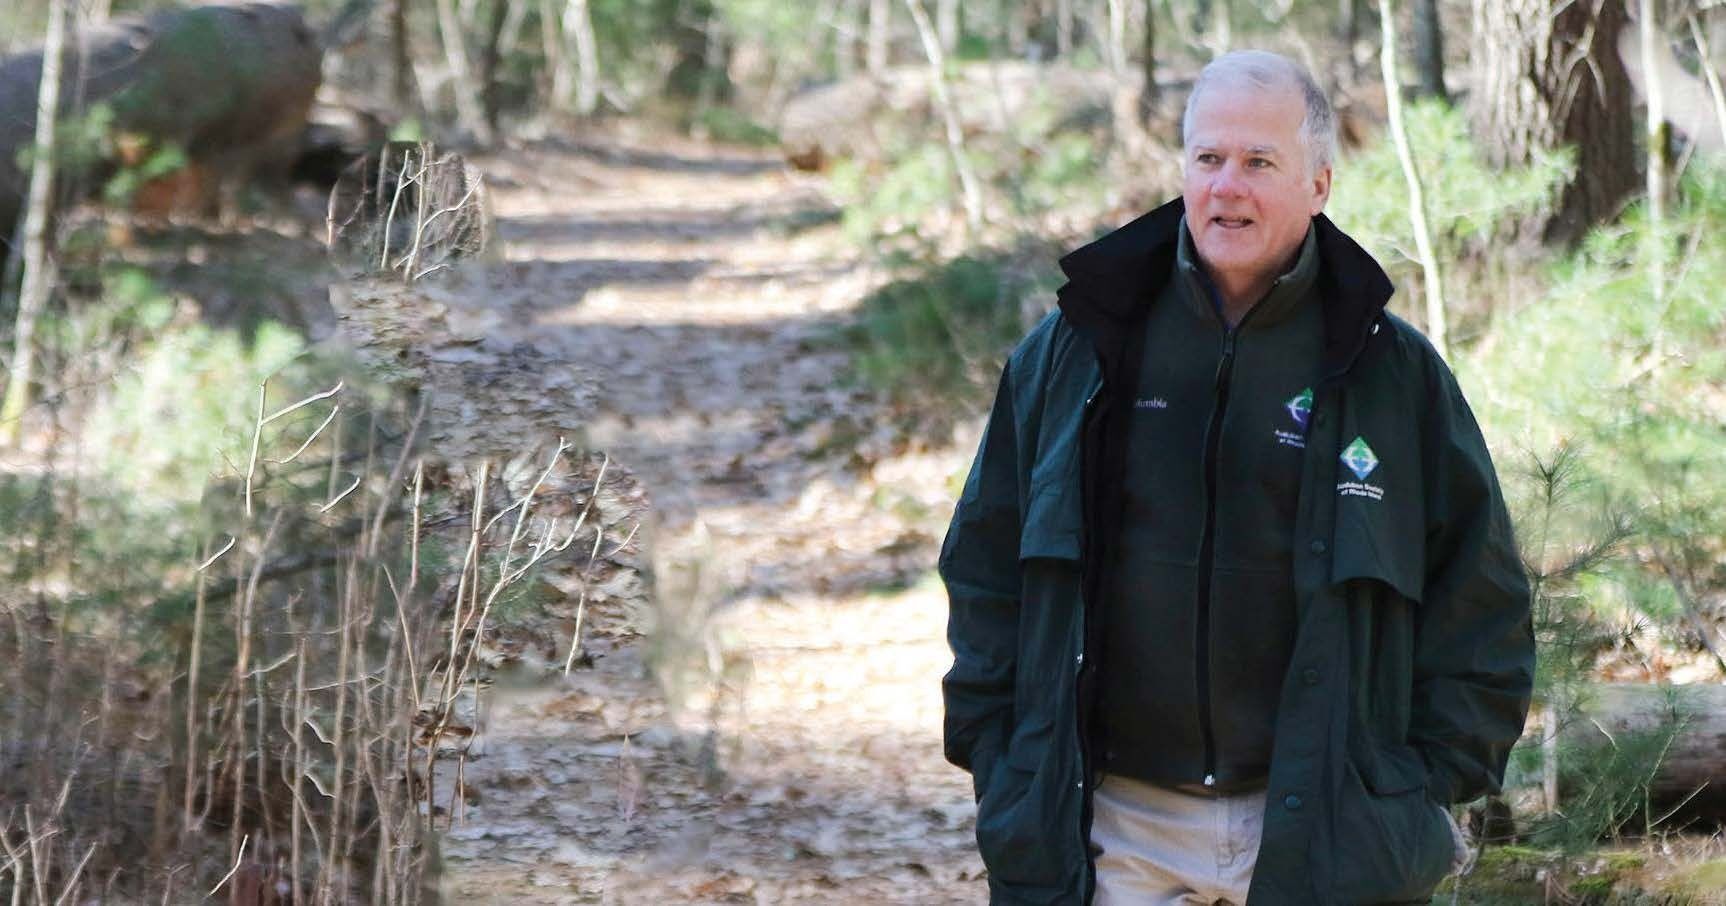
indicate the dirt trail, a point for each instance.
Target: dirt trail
{"x":692,"y":290}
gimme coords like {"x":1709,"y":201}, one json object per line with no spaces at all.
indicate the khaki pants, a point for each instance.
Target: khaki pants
{"x":1160,"y":847}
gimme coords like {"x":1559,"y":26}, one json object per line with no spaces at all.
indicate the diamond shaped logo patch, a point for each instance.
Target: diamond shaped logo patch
{"x":1300,"y":407}
{"x":1359,"y":458}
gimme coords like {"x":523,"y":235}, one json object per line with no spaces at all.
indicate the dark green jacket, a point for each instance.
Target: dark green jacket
{"x":1413,"y":659}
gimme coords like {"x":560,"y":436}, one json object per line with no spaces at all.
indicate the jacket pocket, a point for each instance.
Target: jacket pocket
{"x":1018,"y":822}
{"x":1392,"y":841}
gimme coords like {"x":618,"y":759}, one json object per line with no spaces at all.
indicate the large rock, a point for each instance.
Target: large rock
{"x":229,"y":84}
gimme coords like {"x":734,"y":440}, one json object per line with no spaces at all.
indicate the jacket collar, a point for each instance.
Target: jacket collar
{"x":1112,"y":281}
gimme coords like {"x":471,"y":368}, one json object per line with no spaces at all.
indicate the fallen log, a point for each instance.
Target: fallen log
{"x":228,"y":86}
{"x":1691,"y":774}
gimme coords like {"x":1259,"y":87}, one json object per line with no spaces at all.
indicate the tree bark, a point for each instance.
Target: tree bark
{"x":1436,"y":322}
{"x":467,"y":105}
{"x":556,"y":57}
{"x":401,"y":68}
{"x":880,"y":31}
{"x":578,"y":23}
{"x":1429,"y":50}
{"x":38,"y":263}
{"x":492,"y":61}
{"x":1546,"y":75}
{"x":1150,"y":93}
{"x":1063,"y":29}
{"x":1658,"y":142}
{"x":947,"y":24}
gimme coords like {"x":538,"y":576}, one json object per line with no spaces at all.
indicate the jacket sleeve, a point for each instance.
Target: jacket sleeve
{"x":1474,"y":642}
{"x":980,"y":567}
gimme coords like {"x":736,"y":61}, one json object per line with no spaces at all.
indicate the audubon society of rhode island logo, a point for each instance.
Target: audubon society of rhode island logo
{"x":1360,"y":460}
{"x":1299,"y":408}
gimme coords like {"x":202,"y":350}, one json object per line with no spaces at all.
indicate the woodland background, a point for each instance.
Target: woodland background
{"x":487,"y":450}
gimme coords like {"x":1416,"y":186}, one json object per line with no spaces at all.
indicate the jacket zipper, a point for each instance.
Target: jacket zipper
{"x":1207,"y":553}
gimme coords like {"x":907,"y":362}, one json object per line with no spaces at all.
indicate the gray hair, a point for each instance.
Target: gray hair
{"x":1264,"y":69}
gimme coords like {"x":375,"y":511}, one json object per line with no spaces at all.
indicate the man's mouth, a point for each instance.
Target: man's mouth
{"x":1232,"y":223}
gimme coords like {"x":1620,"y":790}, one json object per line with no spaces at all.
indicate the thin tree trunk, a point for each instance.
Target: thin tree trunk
{"x":401,"y":88}
{"x":38,"y":277}
{"x":1435,"y":316}
{"x":947,"y":24}
{"x":1658,"y":136}
{"x":969,"y":191}
{"x":1150,"y":94}
{"x":1117,"y":49}
{"x":467,"y":104}
{"x":1429,"y":50}
{"x":1063,"y":28}
{"x":880,"y":22}
{"x":578,"y":24}
{"x":491,"y":63}
{"x":845,"y":38}
{"x":556,"y":57}
{"x":1350,"y":16}
{"x":1704,"y":55}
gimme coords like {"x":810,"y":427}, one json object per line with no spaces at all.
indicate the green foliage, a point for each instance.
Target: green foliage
{"x":1468,"y":203}
{"x":936,"y":336}
{"x":728,"y":125}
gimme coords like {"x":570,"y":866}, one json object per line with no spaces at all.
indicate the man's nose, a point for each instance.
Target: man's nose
{"x":1228,"y":183}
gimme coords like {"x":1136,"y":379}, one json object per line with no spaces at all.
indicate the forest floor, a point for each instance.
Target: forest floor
{"x":768,"y":729}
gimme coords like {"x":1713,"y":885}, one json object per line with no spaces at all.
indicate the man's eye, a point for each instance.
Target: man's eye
{"x":1207,"y":158}
{"x":1258,"y":163}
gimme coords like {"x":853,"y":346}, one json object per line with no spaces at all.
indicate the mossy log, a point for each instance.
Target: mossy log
{"x":227,"y":85}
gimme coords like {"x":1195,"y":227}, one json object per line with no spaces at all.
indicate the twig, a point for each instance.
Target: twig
{"x":243,"y":841}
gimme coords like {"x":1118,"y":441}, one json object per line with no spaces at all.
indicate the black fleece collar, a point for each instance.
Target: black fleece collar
{"x":1112,"y":281}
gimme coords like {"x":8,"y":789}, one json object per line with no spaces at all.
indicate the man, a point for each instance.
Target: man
{"x":1235,"y":606}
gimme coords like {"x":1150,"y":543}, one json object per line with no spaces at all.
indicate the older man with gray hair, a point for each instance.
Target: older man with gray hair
{"x":1236,"y":610}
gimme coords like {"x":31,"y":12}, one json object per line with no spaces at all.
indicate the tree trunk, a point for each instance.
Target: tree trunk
{"x":1063,"y":29}
{"x":38,"y":263}
{"x":1117,"y":46}
{"x":1350,"y":14}
{"x":578,"y":23}
{"x":1658,"y":141}
{"x":1547,"y":74}
{"x":969,"y":190}
{"x":467,"y":106}
{"x":1149,"y":94}
{"x":492,"y":61}
{"x":880,"y":31}
{"x":1436,"y":322}
{"x":556,"y":57}
{"x":947,"y":24}
{"x":1429,"y":50}
{"x":401,"y":86}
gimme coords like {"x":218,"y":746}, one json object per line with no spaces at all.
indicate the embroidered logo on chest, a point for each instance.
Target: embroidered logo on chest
{"x":1360,"y":460}
{"x":1299,"y":408}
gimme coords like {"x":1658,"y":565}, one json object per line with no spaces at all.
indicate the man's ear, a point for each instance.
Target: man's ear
{"x":1320,"y":190}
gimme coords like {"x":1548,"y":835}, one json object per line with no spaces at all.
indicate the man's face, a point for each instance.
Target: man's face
{"x":1250,"y":194}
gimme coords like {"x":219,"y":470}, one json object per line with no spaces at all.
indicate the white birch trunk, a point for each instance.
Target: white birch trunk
{"x":947,"y":24}
{"x":562,"y":74}
{"x":461,"y":74}
{"x":1436,"y":322}
{"x":880,"y":30}
{"x":969,"y":191}
{"x":1648,"y":34}
{"x":578,"y":25}
{"x":38,"y":277}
